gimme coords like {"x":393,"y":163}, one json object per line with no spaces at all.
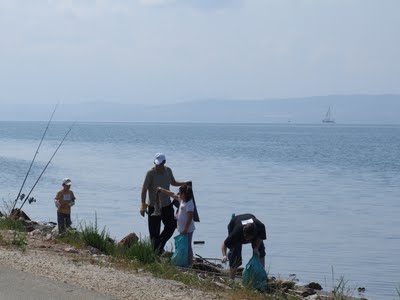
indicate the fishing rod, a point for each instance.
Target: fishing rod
{"x":51,"y":158}
{"x":33,"y":160}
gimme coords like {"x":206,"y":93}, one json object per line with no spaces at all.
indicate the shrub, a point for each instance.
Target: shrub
{"x":142,"y":251}
{"x":11,"y":224}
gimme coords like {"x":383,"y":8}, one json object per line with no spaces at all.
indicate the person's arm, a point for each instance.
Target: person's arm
{"x":167,"y":192}
{"x":175,"y":182}
{"x":72,"y":199}
{"x":56,"y":201}
{"x":188,"y":222}
{"x":143,"y":205}
{"x":178,"y":183}
{"x":223,"y":249}
{"x":145,"y":187}
{"x":256,"y":244}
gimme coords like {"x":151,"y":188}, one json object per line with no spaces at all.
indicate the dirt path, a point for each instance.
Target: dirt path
{"x":70,"y":276}
{"x":17,"y":285}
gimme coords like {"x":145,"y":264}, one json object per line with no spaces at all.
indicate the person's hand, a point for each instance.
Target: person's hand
{"x":143,"y":209}
{"x":184,"y":231}
{"x":57,"y":203}
{"x":158,"y":190}
{"x":72,"y":203}
{"x":224,"y":259}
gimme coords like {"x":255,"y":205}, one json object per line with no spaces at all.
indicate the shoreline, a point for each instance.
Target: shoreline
{"x":87,"y":268}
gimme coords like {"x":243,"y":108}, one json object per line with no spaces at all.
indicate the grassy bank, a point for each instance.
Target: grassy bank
{"x":139,"y":256}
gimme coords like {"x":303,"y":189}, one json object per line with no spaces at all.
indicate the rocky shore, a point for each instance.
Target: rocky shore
{"x":42,"y":254}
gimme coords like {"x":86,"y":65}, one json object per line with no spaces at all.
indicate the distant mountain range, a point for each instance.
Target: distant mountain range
{"x":346,"y":109}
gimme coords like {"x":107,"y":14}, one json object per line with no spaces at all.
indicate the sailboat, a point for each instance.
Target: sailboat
{"x":328,"y":118}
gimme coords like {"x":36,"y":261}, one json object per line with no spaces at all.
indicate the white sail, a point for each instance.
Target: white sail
{"x":328,"y":118}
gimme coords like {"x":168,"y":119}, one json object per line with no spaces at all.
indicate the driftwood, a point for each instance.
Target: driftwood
{"x":206,"y":267}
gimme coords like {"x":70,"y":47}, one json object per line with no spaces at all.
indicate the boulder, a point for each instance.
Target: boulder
{"x":129,"y":240}
{"x":16,"y":214}
{"x":314,"y":286}
{"x":71,"y":250}
{"x":93,"y":250}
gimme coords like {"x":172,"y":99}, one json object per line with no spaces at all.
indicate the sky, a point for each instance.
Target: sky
{"x":170,"y":51}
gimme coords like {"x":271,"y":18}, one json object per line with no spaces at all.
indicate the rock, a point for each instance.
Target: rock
{"x":308,"y":292}
{"x":48,"y":237}
{"x":71,"y":250}
{"x":54,"y":232}
{"x":313,"y":297}
{"x":35,"y":232}
{"x":16,"y":214}
{"x":93,"y":250}
{"x":314,"y":286}
{"x":129,"y":240}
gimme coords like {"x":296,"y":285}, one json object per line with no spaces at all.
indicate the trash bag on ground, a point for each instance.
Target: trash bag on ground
{"x":254,"y":275}
{"x":180,"y":257}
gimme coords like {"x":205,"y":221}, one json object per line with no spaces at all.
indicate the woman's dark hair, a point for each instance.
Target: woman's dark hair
{"x":187,"y":191}
{"x":250,"y":230}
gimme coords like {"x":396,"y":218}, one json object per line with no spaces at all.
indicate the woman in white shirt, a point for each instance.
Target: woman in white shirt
{"x":184,"y":214}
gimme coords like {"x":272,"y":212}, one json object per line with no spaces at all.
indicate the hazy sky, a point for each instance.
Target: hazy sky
{"x":161,"y":51}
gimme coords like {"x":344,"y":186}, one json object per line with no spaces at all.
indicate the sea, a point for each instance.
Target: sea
{"x":329,"y":195}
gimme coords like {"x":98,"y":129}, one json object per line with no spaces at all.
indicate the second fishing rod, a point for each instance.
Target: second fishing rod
{"x":33,"y":160}
{"x":44,"y":169}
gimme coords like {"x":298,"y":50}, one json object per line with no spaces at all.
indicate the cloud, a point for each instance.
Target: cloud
{"x":156,"y":2}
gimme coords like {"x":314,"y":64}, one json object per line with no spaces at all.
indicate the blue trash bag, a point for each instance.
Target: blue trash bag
{"x":254,"y":275}
{"x":180,"y":257}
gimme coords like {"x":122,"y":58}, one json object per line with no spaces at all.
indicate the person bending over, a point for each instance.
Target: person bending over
{"x":243,"y":229}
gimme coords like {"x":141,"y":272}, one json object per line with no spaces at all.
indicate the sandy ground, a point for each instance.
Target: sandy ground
{"x":71,"y":275}
{"x":17,"y":285}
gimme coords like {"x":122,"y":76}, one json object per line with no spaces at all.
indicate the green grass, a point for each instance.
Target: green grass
{"x":90,"y":235}
{"x":141,"y":251}
{"x":11,"y":224}
{"x":101,"y":240}
{"x":141,"y":255}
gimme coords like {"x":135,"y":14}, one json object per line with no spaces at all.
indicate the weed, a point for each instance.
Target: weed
{"x":19,"y":240}
{"x":11,"y":224}
{"x":141,"y":251}
{"x":72,"y":237}
{"x":100,"y":240}
{"x":3,"y":242}
{"x":341,"y":291}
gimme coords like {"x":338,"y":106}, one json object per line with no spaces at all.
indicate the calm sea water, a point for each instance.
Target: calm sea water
{"x":328,"y":195}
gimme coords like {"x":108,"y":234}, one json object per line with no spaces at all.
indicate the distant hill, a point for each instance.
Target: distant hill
{"x":346,"y":109}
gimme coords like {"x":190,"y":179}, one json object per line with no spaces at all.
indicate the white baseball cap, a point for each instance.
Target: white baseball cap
{"x":159,"y":159}
{"x":66,"y":181}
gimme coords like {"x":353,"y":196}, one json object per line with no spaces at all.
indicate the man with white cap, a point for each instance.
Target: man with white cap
{"x":64,"y":199}
{"x":159,"y":176}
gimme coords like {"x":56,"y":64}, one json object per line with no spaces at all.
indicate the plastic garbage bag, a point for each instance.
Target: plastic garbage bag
{"x":254,"y":275}
{"x":180,"y":257}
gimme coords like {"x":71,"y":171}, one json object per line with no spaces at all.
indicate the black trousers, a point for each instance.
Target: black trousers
{"x":64,"y":221}
{"x":235,"y":254}
{"x":168,"y":219}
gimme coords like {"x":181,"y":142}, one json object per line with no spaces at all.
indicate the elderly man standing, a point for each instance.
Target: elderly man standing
{"x":159,"y":176}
